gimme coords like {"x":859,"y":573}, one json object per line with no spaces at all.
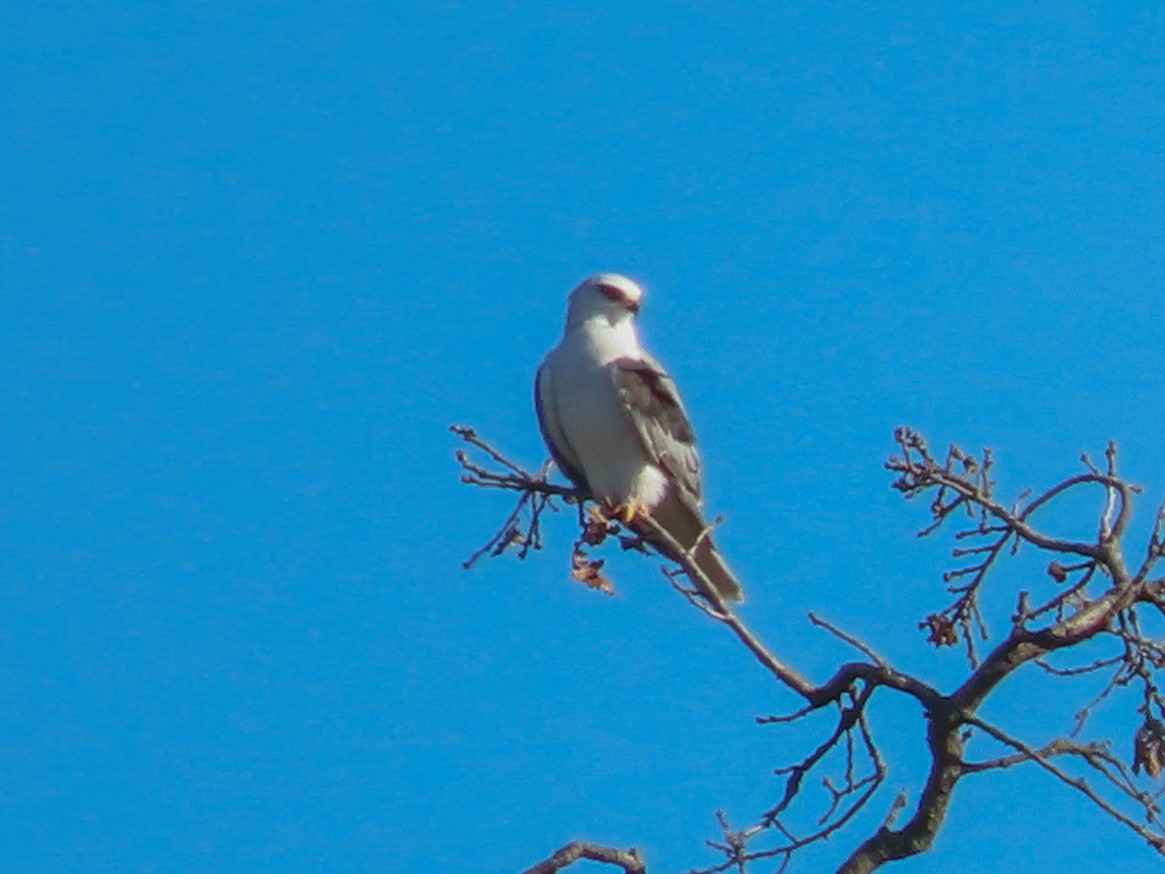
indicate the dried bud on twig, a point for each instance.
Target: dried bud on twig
{"x":595,"y":531}
{"x":1149,"y":748}
{"x":941,"y":630}
{"x":588,"y":571}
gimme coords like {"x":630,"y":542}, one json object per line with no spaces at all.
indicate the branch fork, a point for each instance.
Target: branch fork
{"x":1067,"y":613}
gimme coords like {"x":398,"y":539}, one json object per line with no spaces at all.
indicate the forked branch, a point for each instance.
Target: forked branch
{"x":1090,"y":594}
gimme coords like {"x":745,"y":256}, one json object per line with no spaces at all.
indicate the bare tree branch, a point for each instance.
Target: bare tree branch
{"x":1155,"y":839}
{"x":1090,"y":593}
{"x":629,"y":860}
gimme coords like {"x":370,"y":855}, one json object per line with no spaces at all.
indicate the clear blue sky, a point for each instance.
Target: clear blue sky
{"x":254,"y":258}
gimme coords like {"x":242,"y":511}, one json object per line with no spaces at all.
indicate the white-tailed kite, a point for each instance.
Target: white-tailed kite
{"x":615,"y":425}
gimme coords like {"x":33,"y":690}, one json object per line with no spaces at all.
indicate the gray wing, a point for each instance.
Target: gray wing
{"x":555,"y":438}
{"x":654,"y":407}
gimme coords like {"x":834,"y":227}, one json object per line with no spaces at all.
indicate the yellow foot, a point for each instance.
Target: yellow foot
{"x":628,"y":512}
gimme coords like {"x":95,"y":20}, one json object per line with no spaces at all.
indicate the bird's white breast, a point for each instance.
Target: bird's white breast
{"x":592,"y":418}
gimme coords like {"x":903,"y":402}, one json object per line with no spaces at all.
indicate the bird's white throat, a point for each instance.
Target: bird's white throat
{"x":604,"y":342}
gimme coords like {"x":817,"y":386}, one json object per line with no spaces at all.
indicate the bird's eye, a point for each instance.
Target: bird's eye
{"x":611,"y":293}
{"x":617,"y":295}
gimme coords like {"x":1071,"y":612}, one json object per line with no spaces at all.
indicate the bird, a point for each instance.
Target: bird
{"x":615,"y":425}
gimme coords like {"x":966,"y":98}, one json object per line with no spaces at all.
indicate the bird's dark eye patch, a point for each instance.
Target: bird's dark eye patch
{"x":611,"y":292}
{"x":616,"y":295}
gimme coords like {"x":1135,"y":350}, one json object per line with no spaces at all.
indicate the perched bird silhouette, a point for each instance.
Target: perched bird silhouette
{"x":615,"y":425}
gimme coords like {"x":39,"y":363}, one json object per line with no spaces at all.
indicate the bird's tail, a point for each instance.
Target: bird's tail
{"x":687,"y":527}
{"x":712,"y":563}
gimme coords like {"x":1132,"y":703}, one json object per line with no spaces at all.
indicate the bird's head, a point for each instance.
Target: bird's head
{"x":608,"y":295}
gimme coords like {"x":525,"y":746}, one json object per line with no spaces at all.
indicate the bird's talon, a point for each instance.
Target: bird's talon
{"x":630,"y":511}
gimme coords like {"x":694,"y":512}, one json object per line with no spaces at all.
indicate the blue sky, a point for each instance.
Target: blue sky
{"x":254,"y":260}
